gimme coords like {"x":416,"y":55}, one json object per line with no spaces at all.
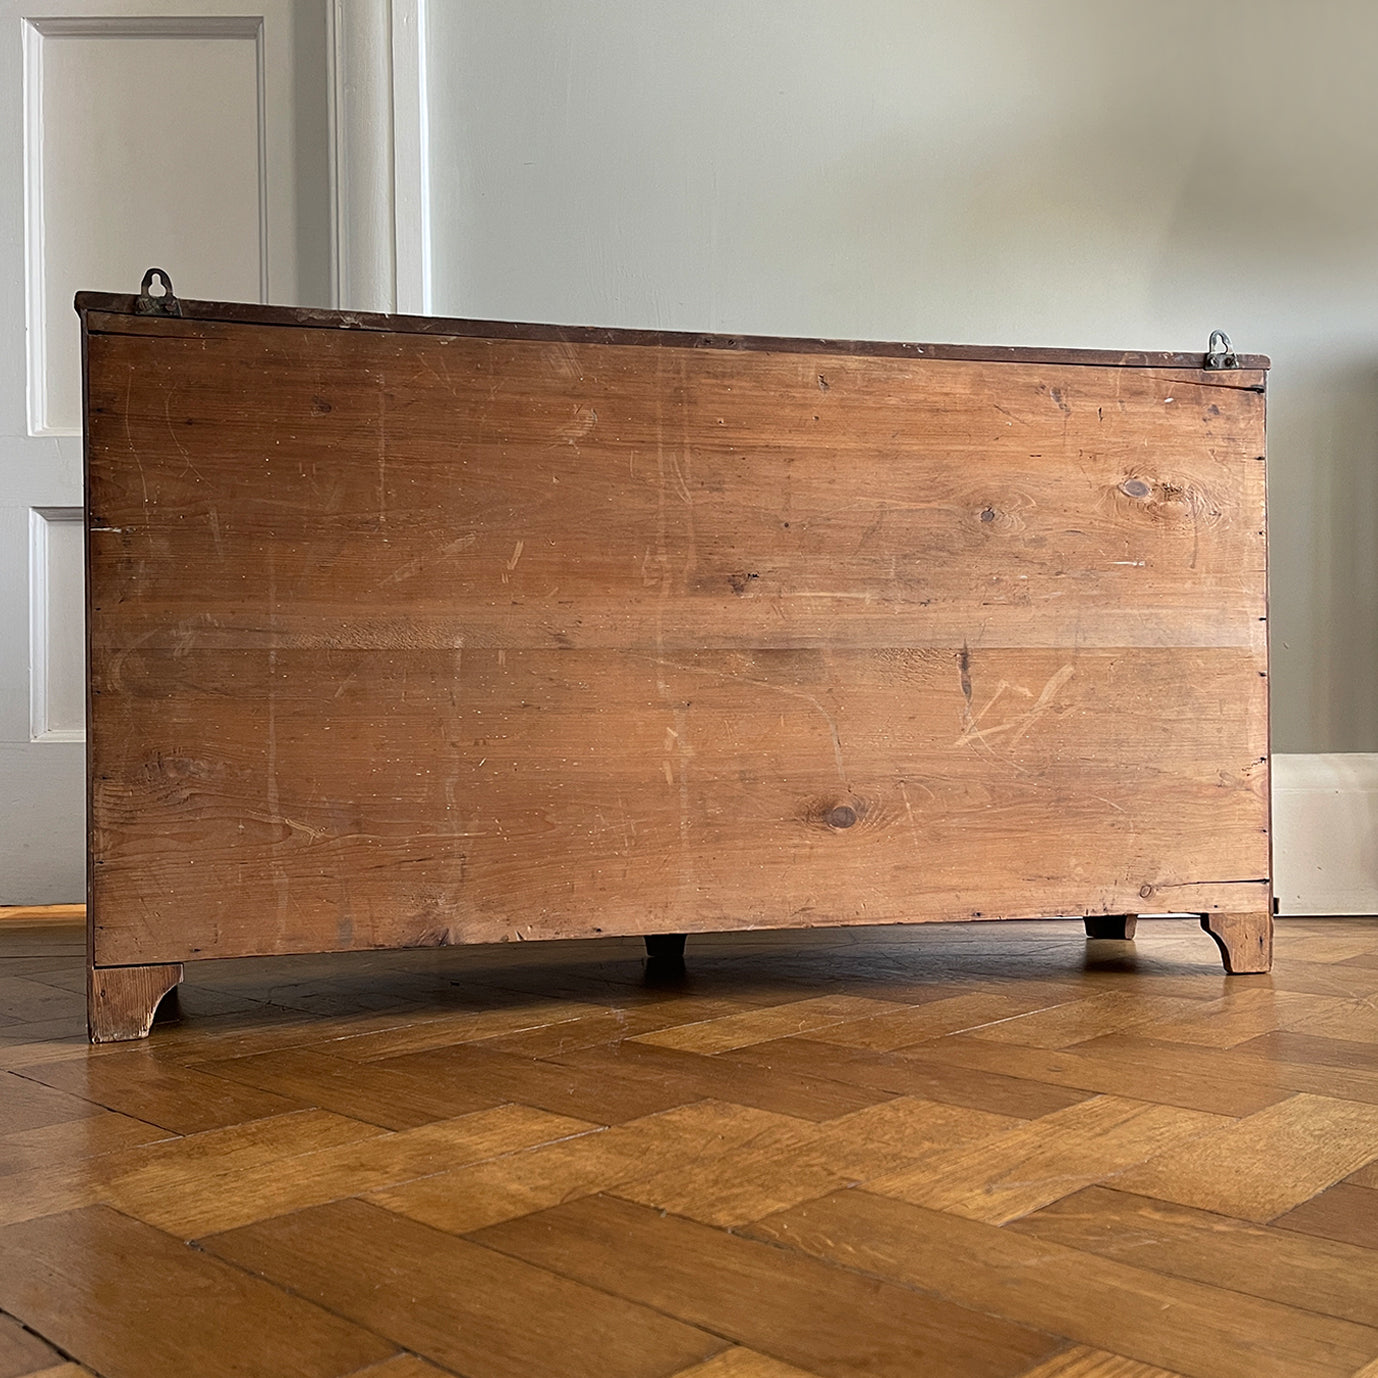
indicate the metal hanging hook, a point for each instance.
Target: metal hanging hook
{"x":164,"y":304}
{"x":1220,"y":352}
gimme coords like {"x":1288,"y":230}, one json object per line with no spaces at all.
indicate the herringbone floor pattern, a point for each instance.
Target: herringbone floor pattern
{"x":988,"y":1149}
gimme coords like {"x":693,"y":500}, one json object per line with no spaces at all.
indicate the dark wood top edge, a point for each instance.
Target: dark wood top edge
{"x":237,"y":313}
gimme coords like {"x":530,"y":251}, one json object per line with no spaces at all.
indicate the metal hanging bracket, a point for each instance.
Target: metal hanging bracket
{"x":164,"y":304}
{"x":1219,"y":352}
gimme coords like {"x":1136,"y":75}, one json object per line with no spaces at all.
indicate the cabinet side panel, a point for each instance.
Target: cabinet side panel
{"x":400,"y":639}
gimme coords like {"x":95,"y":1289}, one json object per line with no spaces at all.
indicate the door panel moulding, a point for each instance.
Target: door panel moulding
{"x":56,"y":653}
{"x":38,"y":34}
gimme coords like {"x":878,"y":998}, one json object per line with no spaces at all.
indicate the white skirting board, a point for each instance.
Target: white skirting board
{"x":1325,"y":833}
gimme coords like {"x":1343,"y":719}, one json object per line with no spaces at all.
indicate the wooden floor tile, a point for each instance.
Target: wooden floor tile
{"x":147,"y":1321}
{"x":1083,"y":1362}
{"x":71,"y":1140}
{"x":1344,"y":980}
{"x":1324,"y":1079}
{"x":386,"y":1094}
{"x":755,"y":1026}
{"x":1346,"y":1211}
{"x":599,"y":1096}
{"x":1341,"y":1082}
{"x":897,"y":1028}
{"x":1288,"y":1045}
{"x":403,"y":1366}
{"x":27,"y":1045}
{"x":22,"y":1352}
{"x":743,"y":1363}
{"x":185,"y":1043}
{"x":43,"y":938}
{"x":1003,"y":1176}
{"x":1139,"y":1072}
{"x":903,"y":1074}
{"x":1354,"y":1020}
{"x":1316,"y":943}
{"x":28,"y":1104}
{"x":332,"y":1111}
{"x":691,"y":1076}
{"x":1169,"y":1322}
{"x":675,"y":1141}
{"x":791,"y":1163}
{"x":608,"y":1026}
{"x":215,"y":1201}
{"x":38,"y":966}
{"x":171,"y":1166}
{"x":1237,"y":1017}
{"x":1075,"y":1022}
{"x":1366,"y":1176}
{"x":463,"y":1306}
{"x":804,"y":1312}
{"x":62,"y":977}
{"x":1333,"y":1279}
{"x":30,"y":1000}
{"x":135,"y":1083}
{"x":1263,"y":1165}
{"x":467,"y":1026}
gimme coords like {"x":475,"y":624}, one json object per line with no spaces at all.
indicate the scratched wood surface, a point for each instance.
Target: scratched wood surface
{"x":403,"y":639}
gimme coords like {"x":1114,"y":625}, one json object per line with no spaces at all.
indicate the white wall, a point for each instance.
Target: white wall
{"x":1058,"y":172}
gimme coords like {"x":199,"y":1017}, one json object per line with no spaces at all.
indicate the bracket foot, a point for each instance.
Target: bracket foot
{"x":662,"y":947}
{"x":1111,"y":926}
{"x":1245,"y":940}
{"x":121,"y":1001}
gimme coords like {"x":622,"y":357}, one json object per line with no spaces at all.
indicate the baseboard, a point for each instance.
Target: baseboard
{"x":42,"y":914}
{"x":1325,"y":833}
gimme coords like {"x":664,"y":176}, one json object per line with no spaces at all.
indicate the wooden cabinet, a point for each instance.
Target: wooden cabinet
{"x":412,"y":631}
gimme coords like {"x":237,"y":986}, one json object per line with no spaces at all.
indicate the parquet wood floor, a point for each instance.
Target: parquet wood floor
{"x":978,"y":1151}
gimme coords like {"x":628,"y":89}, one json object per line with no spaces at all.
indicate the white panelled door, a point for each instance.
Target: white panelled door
{"x":190,"y":135}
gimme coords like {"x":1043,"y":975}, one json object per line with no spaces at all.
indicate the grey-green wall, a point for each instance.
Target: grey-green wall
{"x":1117,"y":173}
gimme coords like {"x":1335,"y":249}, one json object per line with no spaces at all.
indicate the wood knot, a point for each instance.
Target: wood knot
{"x":829,"y":813}
{"x":988,"y":514}
{"x":1145,"y":891}
{"x":1163,"y":499}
